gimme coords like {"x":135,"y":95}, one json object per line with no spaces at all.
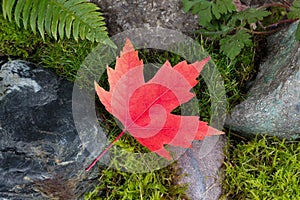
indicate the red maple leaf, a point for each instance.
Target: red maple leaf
{"x":144,"y":108}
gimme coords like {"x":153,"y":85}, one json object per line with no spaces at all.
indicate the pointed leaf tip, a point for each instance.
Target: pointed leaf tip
{"x":212,"y":131}
{"x":96,"y":85}
{"x":200,"y":64}
{"x":128,"y":47}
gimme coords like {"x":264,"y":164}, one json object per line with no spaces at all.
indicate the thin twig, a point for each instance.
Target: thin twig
{"x":272,"y":25}
{"x":274,"y":5}
{"x":281,"y":22}
{"x":286,"y":2}
{"x":265,"y":32}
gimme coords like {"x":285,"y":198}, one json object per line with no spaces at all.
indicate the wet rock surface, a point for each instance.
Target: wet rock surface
{"x":273,"y":103}
{"x":123,"y":15}
{"x":41,"y":156}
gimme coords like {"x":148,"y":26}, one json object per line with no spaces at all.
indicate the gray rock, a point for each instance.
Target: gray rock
{"x":203,"y":174}
{"x":273,"y":103}
{"x":41,"y":156}
{"x":123,"y":15}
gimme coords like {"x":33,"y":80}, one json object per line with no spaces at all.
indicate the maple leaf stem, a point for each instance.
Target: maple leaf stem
{"x":104,"y":151}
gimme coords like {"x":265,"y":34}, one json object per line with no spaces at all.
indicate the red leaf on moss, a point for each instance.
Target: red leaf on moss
{"x":144,"y":108}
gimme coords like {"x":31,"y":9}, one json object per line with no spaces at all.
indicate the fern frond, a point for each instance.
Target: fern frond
{"x":59,"y":18}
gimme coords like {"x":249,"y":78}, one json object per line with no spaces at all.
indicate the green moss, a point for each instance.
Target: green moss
{"x":16,"y":42}
{"x":235,"y":73}
{"x":157,"y":185}
{"x":266,"y":168}
{"x":64,"y":56}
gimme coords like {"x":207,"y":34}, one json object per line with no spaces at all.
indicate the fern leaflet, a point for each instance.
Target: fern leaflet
{"x":59,"y":18}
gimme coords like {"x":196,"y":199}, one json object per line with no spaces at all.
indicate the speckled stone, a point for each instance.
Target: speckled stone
{"x":123,"y":15}
{"x":203,"y":174}
{"x":273,"y":103}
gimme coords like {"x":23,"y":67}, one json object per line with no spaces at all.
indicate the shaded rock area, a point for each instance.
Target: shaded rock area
{"x":41,"y":156}
{"x":204,"y":177}
{"x":273,"y":103}
{"x":256,"y":3}
{"x":123,"y":15}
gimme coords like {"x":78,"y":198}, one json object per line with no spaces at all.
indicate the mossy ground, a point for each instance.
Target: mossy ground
{"x":265,"y":168}
{"x":16,"y":42}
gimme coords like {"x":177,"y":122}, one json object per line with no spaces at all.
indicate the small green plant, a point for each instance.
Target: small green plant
{"x":209,"y":11}
{"x":266,"y":168}
{"x":295,"y":14}
{"x":234,"y":26}
{"x":59,"y":18}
